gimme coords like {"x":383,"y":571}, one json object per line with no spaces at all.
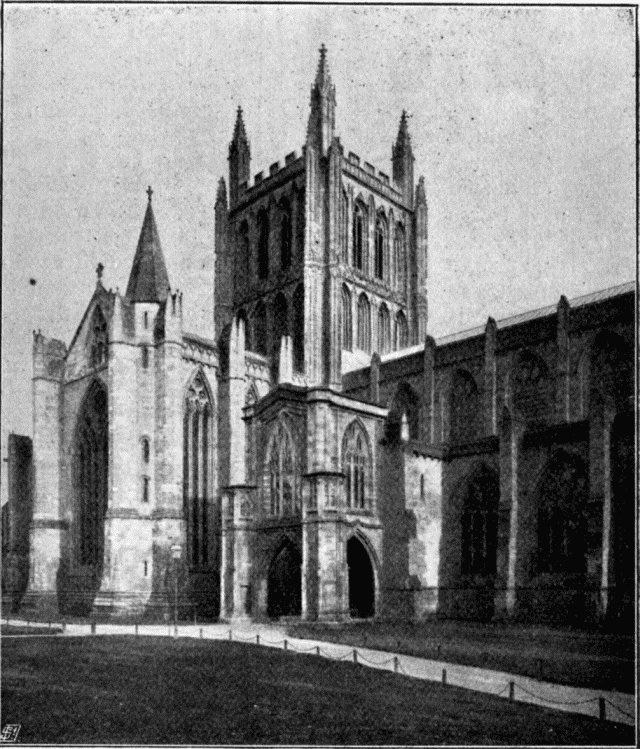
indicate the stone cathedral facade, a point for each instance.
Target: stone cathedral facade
{"x":321,"y":456}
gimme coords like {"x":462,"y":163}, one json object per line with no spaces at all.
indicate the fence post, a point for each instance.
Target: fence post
{"x":175,"y":630}
{"x":603,"y":708}
{"x":317,"y":649}
{"x":395,"y":664}
{"x":444,"y":675}
{"x":230,"y":635}
{"x":512,"y":691}
{"x":93,"y":628}
{"x":201,"y":633}
{"x":136,"y":628}
{"x":257,"y":639}
{"x":355,"y":655}
{"x":285,"y":644}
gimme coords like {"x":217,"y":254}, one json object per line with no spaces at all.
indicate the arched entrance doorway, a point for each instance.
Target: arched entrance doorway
{"x":361,"y":580}
{"x":90,"y":480}
{"x":284,"y":583}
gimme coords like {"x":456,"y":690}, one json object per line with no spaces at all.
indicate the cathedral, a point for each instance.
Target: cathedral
{"x":323,"y":457}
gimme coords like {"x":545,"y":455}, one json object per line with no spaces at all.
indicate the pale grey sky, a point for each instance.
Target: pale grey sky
{"x":522,"y":122}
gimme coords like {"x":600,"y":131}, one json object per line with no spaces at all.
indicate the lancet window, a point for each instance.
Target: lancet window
{"x":384,"y":329}
{"x":364,"y":324}
{"x":347,"y":322}
{"x":198,"y":470}
{"x":380,"y":264}
{"x":358,"y":237}
{"x":399,"y":246}
{"x":401,"y":331}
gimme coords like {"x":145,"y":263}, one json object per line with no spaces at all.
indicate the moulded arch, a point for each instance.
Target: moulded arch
{"x":199,"y":373}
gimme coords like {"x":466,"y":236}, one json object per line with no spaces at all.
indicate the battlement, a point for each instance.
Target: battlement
{"x":264,"y":182}
{"x":367,"y":174}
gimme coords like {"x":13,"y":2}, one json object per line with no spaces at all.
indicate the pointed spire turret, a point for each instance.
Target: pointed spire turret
{"x":148,"y":281}
{"x":323,"y":104}
{"x":239,"y":159}
{"x":221,"y":195}
{"x":402,"y":159}
{"x":421,"y":195}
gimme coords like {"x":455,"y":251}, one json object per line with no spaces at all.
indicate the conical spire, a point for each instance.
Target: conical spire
{"x":239,"y":132}
{"x":323,"y":78}
{"x":148,"y":281}
{"x":421,"y":195}
{"x":404,"y":139}
{"x":323,"y":103}
{"x":221,"y":195}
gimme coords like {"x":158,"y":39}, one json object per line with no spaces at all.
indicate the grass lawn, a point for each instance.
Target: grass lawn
{"x":575,"y":658}
{"x":10,"y":629}
{"x":157,"y":690}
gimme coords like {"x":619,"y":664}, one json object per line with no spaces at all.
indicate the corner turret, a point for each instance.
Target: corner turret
{"x":323,"y":105}
{"x":402,"y":160}
{"x":239,"y":160}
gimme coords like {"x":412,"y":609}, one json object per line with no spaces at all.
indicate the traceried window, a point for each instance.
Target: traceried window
{"x":364,"y":324}
{"x":381,"y":264}
{"x":356,"y":466}
{"x":401,"y":331}
{"x":347,"y":321}
{"x":480,"y":523}
{"x":298,"y":329}
{"x":283,"y":485}
{"x":400,"y":252}
{"x":285,"y":235}
{"x":263,"y":244}
{"x":260,"y":329}
{"x":98,"y":339}
{"x":358,"y":237}
{"x":198,"y":471}
{"x":344,"y":227}
{"x":384,"y":329}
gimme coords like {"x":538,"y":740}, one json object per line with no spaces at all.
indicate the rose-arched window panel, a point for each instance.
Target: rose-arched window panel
{"x":356,"y":466}
{"x":283,"y":480}
{"x":198,"y":471}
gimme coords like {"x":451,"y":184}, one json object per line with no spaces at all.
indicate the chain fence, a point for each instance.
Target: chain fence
{"x":353,"y":654}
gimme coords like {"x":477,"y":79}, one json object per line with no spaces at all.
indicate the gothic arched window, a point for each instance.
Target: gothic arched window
{"x":283,"y":484}
{"x":364,"y":324}
{"x":285,"y":235}
{"x":401,"y":332}
{"x":298,"y":329}
{"x":384,"y":329}
{"x":344,"y":227}
{"x":198,"y":471}
{"x":400,"y":252}
{"x":98,"y":339}
{"x":358,"y":237}
{"x":380,"y":260}
{"x":243,"y":267}
{"x":480,"y":523}
{"x":260,"y":328}
{"x":263,"y":244}
{"x":356,"y":466}
{"x":347,"y":321}
{"x":91,"y":472}
{"x":562,"y":520}
{"x":464,"y":408}
{"x":146,"y":449}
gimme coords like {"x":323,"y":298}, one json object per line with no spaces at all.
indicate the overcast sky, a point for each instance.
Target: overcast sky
{"x":522,"y":123}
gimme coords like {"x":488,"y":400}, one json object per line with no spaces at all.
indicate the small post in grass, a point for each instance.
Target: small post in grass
{"x":512,"y":691}
{"x":603,"y":708}
{"x":317,"y":649}
{"x":136,"y":628}
{"x":201,"y":633}
{"x":395,"y":664}
{"x":355,"y":655}
{"x":257,"y":639}
{"x":444,"y":676}
{"x":285,"y":644}
{"x":230,"y":635}
{"x":93,"y":627}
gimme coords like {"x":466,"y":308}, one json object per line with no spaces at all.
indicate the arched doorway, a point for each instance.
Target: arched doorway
{"x":361,"y":580}
{"x":284,"y":583}
{"x":90,"y":482}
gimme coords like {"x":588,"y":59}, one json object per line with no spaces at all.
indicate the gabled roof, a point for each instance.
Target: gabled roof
{"x":148,"y":281}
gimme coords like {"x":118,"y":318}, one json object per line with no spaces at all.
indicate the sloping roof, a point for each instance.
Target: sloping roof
{"x":148,"y":281}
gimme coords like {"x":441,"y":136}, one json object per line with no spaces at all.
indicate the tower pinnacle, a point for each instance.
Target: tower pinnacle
{"x":323,"y":104}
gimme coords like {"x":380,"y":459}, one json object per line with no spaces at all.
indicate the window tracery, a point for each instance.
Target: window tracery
{"x":284,"y":493}
{"x":364,"y":324}
{"x":197,"y":470}
{"x":356,"y":466}
{"x":98,"y":337}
